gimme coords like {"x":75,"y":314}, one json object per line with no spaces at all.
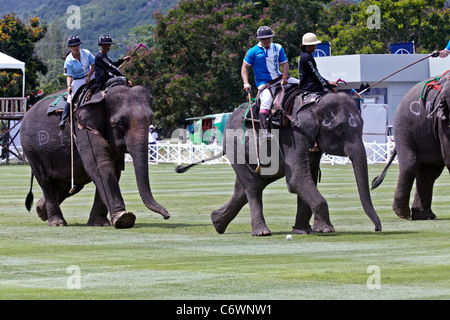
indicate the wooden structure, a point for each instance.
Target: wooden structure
{"x":12,"y":111}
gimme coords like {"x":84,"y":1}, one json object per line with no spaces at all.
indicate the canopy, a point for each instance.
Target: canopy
{"x":7,"y":62}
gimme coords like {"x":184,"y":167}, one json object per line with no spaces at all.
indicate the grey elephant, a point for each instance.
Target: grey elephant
{"x":336,"y":124}
{"x":422,"y":145}
{"x":105,"y":130}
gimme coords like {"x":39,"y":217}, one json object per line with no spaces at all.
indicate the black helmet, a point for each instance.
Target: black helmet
{"x":105,"y":39}
{"x":73,"y":41}
{"x":265,"y":32}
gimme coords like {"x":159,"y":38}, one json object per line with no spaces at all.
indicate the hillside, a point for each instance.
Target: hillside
{"x":113,"y":17}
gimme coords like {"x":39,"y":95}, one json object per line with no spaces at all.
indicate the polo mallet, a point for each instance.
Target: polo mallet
{"x":134,"y":51}
{"x":359,"y":94}
{"x":72,"y":189}
{"x":258,"y":168}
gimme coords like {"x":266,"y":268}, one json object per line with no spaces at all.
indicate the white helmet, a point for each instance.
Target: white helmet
{"x":310,"y":39}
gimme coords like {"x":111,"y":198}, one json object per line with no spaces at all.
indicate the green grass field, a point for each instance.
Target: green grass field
{"x":184,"y":257}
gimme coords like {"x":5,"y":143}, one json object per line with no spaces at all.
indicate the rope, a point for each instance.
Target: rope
{"x":245,"y":116}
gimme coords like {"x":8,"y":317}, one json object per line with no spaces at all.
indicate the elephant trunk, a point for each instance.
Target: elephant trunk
{"x":359,"y":162}
{"x":139,"y":152}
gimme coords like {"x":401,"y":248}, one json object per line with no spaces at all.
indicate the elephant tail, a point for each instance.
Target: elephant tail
{"x":182,"y":169}
{"x":378,"y":180}
{"x":30,"y":197}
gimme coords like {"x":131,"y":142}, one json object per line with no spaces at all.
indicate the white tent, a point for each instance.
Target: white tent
{"x":7,"y":62}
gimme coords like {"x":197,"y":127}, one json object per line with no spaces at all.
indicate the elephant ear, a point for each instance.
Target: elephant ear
{"x":308,"y":121}
{"x":92,"y":117}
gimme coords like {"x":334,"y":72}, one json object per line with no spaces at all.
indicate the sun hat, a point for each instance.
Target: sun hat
{"x":310,"y":39}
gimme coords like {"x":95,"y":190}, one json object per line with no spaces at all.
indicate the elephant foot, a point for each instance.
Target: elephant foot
{"x":300,"y":230}
{"x":402,"y":213}
{"x":422,"y":214}
{"x":41,"y":209}
{"x":261,"y":232}
{"x":124,"y":220}
{"x":57,"y":222}
{"x":219,"y":223}
{"x":323,"y":226}
{"x":98,"y":222}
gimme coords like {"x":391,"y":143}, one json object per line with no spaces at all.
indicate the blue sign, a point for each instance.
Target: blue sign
{"x":323,"y":50}
{"x":402,"y":48}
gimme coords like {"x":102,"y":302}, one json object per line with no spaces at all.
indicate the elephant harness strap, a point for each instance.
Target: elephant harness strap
{"x":432,"y":89}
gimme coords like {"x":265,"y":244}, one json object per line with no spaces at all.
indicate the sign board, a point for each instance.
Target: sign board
{"x":375,"y":117}
{"x":323,"y":50}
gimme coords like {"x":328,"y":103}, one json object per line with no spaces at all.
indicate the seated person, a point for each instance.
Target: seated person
{"x":106,"y":69}
{"x":78,"y":67}
{"x":310,"y":78}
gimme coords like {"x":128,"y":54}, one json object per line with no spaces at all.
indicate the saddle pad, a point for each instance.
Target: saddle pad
{"x":57,"y":104}
{"x":436,"y":84}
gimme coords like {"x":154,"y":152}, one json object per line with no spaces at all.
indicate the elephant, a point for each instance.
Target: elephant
{"x":334,"y":121}
{"x":422,"y":145}
{"x":104,"y":129}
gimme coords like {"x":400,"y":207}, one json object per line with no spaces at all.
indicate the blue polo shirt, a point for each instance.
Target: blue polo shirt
{"x":76,"y":68}
{"x":265,"y":63}
{"x":448,"y":46}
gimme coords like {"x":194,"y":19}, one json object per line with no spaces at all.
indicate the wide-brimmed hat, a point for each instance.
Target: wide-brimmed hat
{"x":265,"y":32}
{"x":73,"y":41}
{"x":105,"y":39}
{"x":310,"y":39}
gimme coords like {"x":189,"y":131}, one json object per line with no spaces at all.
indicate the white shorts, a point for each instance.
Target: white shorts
{"x":266,"y":96}
{"x":77,"y":83}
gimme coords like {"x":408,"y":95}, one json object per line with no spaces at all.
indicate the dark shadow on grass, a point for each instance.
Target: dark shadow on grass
{"x":169,"y":225}
{"x":355,"y":233}
{"x":148,"y":225}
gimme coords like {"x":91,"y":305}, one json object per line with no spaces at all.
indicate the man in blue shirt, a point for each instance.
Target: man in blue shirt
{"x":78,"y":67}
{"x":443,"y":53}
{"x":266,"y":58}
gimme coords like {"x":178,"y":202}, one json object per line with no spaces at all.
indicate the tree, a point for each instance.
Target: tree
{"x":18,"y":40}
{"x":350,"y":27}
{"x":194,"y":67}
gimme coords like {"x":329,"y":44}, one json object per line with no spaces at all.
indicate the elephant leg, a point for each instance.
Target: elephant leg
{"x":305,"y":188}
{"x":408,"y":169}
{"x":304,"y":212}
{"x":259,"y":227}
{"x":54,"y":214}
{"x":102,"y":170}
{"x":99,"y":213}
{"x":41,"y":209}
{"x":421,"y":208}
{"x":222,"y":217}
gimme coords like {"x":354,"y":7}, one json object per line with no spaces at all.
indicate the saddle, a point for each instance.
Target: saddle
{"x":430,"y":93}
{"x":283,"y":103}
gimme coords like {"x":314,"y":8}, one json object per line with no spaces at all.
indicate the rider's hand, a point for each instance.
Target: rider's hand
{"x":247,"y":87}
{"x":435,"y":54}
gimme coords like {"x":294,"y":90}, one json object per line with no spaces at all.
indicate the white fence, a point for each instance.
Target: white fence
{"x":185,"y":153}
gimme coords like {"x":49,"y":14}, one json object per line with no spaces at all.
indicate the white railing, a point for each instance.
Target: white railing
{"x":185,"y":153}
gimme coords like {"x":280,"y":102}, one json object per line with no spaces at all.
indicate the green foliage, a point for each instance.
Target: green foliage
{"x":194,"y":69}
{"x":10,"y":84}
{"x":18,"y":41}
{"x":426,"y":22}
